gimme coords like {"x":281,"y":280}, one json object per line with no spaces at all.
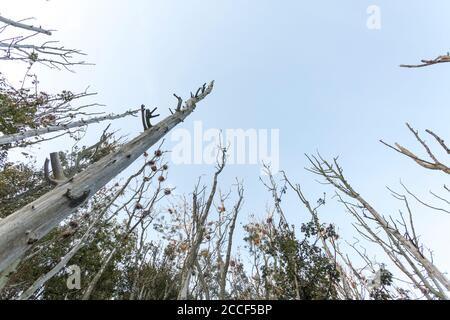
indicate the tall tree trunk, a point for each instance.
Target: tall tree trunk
{"x":226,"y":265}
{"x":20,"y":230}
{"x":81,"y":242}
{"x":200,"y":217}
{"x":75,"y":124}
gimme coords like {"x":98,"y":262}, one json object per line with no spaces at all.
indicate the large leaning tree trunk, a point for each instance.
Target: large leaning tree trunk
{"x":20,"y":230}
{"x":16,"y":137}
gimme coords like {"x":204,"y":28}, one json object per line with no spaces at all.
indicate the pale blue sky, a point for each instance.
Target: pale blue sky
{"x":311,"y":69}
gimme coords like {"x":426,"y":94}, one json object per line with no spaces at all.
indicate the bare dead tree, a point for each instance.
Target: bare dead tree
{"x":12,"y":138}
{"x":22,"y":229}
{"x":229,"y":223}
{"x":25,"y":47}
{"x":200,"y":210}
{"x":353,"y":284}
{"x":29,"y":114}
{"x":74,"y":161}
{"x":20,"y":24}
{"x":96,"y":222}
{"x":53,"y":178}
{"x":26,"y":112}
{"x":433,"y":163}
{"x":400,"y":242}
{"x":347,"y":287}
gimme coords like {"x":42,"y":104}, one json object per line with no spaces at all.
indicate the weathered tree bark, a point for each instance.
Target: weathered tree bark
{"x":80,"y":123}
{"x":58,"y":171}
{"x":22,"y":229}
{"x":82,"y":241}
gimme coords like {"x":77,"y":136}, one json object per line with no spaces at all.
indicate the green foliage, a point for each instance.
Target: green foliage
{"x":157,"y":277}
{"x":292,"y":268}
{"x":381,"y":290}
{"x":23,"y":108}
{"x":15,"y":114}
{"x":89,"y":258}
{"x":20,"y":184}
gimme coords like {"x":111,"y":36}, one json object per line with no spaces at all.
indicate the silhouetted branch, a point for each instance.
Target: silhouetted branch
{"x":426,"y":63}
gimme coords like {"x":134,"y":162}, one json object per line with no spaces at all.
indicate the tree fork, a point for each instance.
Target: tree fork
{"x":24,"y":227}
